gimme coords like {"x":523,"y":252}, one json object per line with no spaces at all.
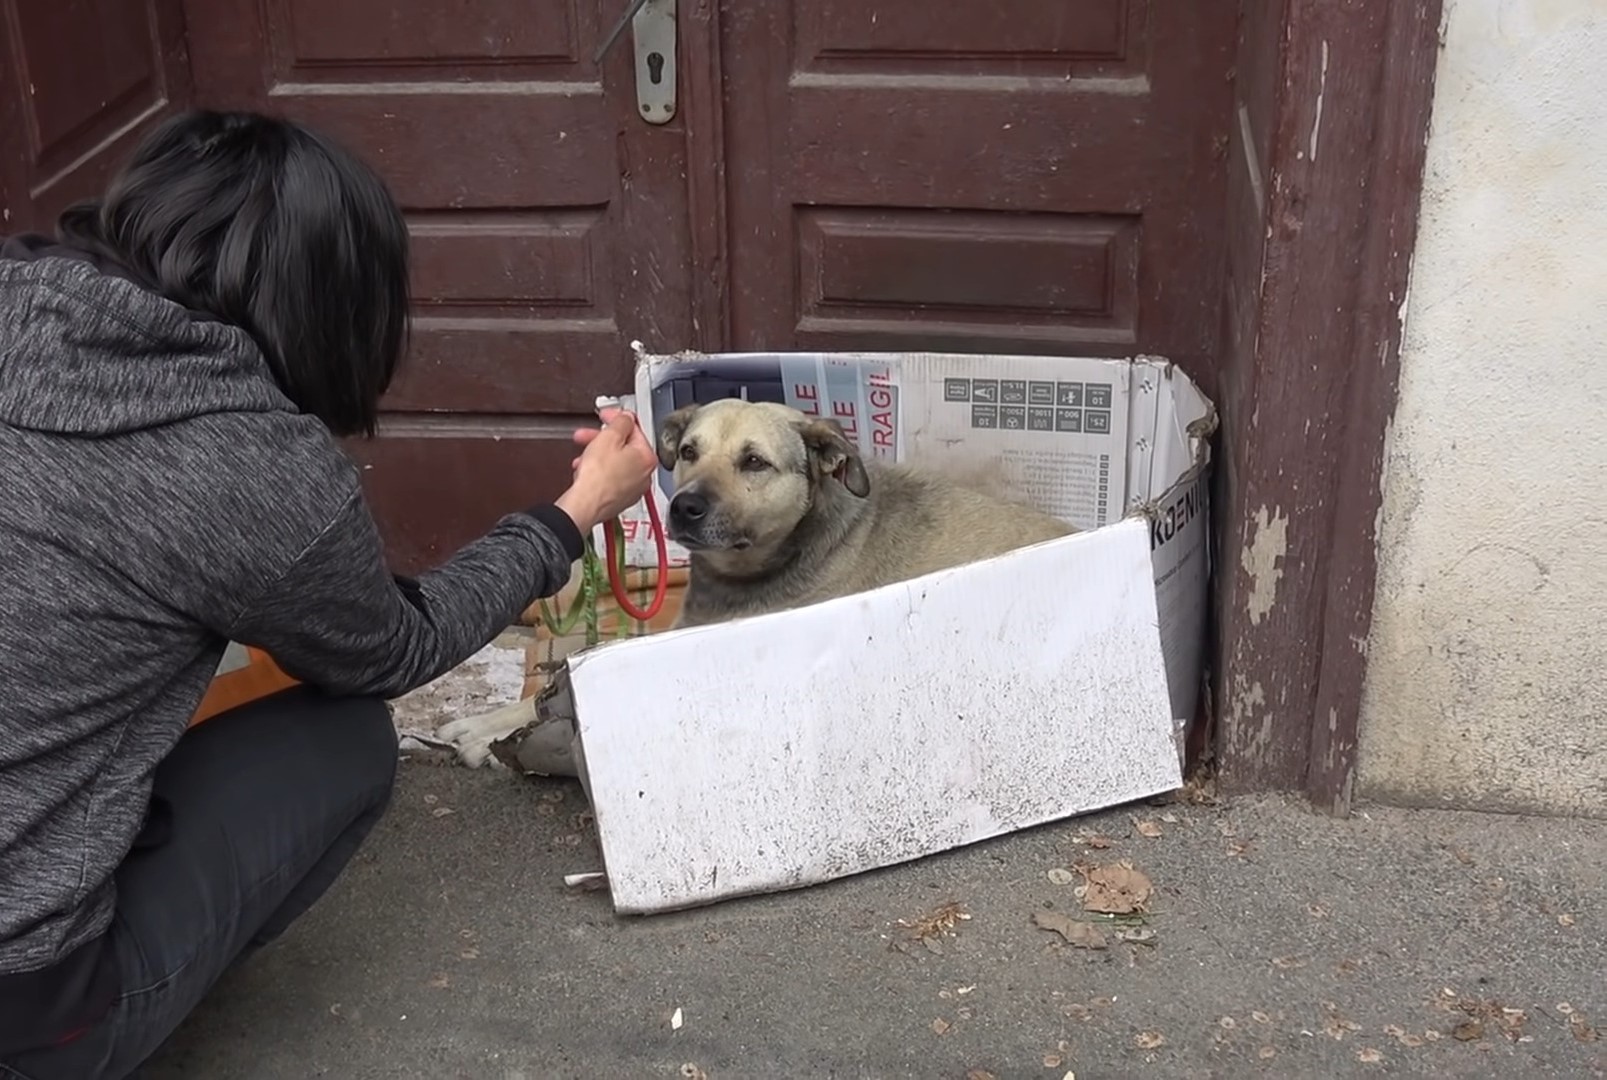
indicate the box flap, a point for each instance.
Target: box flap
{"x":794,"y":748}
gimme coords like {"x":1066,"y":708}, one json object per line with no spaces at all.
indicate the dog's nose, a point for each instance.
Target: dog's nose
{"x":688,"y":508}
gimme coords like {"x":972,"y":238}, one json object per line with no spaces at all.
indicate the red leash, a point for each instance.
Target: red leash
{"x":613,"y":537}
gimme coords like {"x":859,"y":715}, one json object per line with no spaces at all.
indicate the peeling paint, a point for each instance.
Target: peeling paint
{"x":1262,"y":559}
{"x":1322,"y":89}
{"x":1244,"y":702}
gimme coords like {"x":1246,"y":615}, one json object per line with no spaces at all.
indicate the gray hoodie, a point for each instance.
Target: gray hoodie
{"x":158,"y":496}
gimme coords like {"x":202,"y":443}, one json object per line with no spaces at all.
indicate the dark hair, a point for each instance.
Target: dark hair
{"x":266,"y":225}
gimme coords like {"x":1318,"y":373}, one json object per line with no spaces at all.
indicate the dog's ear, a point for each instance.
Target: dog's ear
{"x":670,"y":432}
{"x":834,"y":454}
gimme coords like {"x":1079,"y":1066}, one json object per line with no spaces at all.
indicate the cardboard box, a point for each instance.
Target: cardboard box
{"x":794,"y":748}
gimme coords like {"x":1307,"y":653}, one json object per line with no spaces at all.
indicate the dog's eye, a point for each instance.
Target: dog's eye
{"x":688,"y":452}
{"x":754,"y":463}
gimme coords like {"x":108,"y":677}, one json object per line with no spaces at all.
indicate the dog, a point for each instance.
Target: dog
{"x":778,"y":510}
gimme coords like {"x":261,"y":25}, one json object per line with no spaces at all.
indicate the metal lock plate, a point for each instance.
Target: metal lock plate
{"x":653,"y":27}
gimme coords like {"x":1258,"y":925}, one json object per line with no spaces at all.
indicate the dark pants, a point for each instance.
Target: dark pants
{"x":267,"y":805}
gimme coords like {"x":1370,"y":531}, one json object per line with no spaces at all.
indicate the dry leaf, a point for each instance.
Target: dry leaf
{"x":1581,"y":1030}
{"x":1336,"y":1026}
{"x":1115,"y":889}
{"x":1432,"y":1036}
{"x":1078,"y":1012}
{"x":1565,"y":920}
{"x":1462,"y":856}
{"x":1170,"y":819}
{"x":1138,"y":935}
{"x":1149,"y":1040}
{"x":1234,"y":851}
{"x":1368,"y":1055}
{"x":1061,"y":876}
{"x":1413,"y":1041}
{"x":1083,"y":935}
{"x":441,"y":982}
{"x":940,"y":922}
{"x":980,"y":1074}
{"x":940,"y":1026}
{"x":1565,"y":1008}
{"x":1467,"y":1031}
{"x":1148,"y":828}
{"x":1094,"y":840}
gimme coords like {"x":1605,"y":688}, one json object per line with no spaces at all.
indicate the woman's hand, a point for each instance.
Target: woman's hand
{"x":611,"y":473}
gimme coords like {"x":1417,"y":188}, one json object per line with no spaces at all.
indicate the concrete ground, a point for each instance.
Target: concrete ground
{"x":1283,"y":945}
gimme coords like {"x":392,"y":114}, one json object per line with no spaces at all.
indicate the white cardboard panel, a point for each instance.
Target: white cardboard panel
{"x":803,"y":746}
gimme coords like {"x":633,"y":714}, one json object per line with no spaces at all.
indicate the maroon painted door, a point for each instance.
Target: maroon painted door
{"x":548,"y":225}
{"x":79,"y":82}
{"x":1038,"y":176}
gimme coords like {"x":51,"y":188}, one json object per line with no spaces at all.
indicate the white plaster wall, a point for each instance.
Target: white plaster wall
{"x":1487,"y":681}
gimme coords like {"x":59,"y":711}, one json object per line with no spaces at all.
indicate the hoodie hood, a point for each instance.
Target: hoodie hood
{"x":87,"y":352}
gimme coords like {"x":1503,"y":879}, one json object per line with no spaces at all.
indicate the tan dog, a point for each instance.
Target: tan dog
{"x":778,"y":510}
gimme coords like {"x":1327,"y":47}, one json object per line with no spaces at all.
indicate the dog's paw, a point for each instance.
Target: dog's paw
{"x":472,"y":736}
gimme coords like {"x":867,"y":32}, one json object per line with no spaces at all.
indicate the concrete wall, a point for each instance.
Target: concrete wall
{"x":1488,"y":656}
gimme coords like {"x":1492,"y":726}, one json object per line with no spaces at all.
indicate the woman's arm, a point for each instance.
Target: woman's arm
{"x":338,"y":620}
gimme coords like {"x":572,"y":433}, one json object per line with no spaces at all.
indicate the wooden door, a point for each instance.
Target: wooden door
{"x":548,"y":222}
{"x":1035,"y":176}
{"x":80,"y":81}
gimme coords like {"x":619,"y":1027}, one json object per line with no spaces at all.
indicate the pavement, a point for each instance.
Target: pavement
{"x":1277,"y":943}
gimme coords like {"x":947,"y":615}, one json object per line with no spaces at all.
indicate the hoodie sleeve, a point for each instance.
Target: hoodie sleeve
{"x":338,"y":619}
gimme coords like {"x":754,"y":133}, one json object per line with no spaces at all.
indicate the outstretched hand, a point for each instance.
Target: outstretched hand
{"x":612,"y":472}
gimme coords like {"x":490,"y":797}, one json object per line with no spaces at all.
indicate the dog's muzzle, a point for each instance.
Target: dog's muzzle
{"x":695,"y":524}
{"x":689,"y":513}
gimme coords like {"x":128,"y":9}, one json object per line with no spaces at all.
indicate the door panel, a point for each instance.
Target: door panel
{"x":1026,"y":175}
{"x":548,"y":226}
{"x":80,"y":81}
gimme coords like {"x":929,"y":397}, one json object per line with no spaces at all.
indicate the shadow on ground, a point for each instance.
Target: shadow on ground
{"x":1285,"y":945}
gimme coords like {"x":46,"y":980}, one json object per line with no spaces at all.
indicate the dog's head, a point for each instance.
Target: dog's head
{"x":746,"y":473}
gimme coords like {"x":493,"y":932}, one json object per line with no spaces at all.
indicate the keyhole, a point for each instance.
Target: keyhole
{"x":655,"y":68}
